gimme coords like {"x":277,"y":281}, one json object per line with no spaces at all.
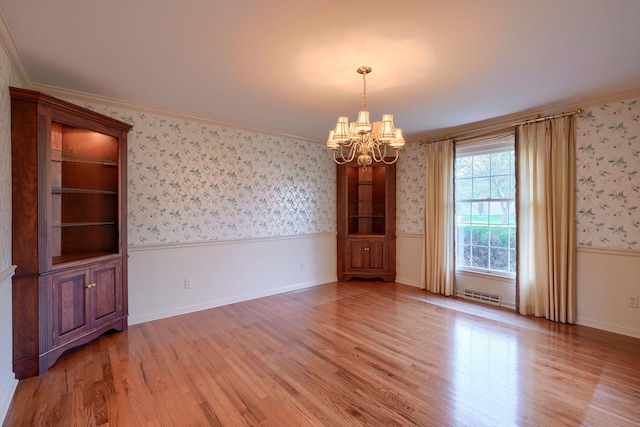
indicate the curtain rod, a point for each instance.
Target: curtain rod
{"x":498,"y":130}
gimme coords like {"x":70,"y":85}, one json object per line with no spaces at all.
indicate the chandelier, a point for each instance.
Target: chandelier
{"x":362,"y":139}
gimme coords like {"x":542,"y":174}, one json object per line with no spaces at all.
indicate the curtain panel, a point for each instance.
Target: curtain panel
{"x":546,"y":278}
{"x":438,"y":242}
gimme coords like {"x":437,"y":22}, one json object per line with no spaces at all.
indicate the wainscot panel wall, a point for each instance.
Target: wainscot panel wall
{"x":224,"y":272}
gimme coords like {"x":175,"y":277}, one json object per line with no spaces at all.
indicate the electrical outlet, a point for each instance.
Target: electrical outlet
{"x":633,"y":302}
{"x":187,"y":283}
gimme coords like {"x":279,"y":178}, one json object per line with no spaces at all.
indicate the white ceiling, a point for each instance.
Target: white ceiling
{"x":289,"y":66}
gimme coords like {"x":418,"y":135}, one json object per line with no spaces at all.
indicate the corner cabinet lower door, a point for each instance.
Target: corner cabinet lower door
{"x":366,"y":259}
{"x":70,"y":308}
{"x":85,"y":302}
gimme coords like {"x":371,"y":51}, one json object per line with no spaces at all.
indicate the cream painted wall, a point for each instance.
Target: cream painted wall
{"x":408,"y":258}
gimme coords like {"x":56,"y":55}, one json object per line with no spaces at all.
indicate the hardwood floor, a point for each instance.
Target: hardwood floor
{"x":342,"y":354}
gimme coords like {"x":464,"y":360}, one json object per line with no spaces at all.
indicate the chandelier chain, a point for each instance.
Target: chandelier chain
{"x":364,"y":93}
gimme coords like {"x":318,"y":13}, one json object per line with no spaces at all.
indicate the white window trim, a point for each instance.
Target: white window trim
{"x":479,"y":146}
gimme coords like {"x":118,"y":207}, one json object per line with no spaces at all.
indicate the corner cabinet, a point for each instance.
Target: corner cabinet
{"x":366,"y":210}
{"x":69,"y":228}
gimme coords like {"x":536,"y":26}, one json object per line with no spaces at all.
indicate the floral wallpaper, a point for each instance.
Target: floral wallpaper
{"x":8,"y":77}
{"x":608,"y":176}
{"x":410,"y":189}
{"x":193,"y":181}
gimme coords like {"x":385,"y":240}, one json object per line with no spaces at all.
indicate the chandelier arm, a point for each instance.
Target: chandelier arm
{"x":339,"y":161}
{"x":352,"y":152}
{"x":376,"y":149}
{"x":395,"y":159}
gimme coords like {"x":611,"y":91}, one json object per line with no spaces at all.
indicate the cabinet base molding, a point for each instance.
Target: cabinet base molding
{"x":385,"y":277}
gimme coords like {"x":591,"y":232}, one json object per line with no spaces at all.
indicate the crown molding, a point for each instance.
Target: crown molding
{"x":509,"y":120}
{"x":9,"y":45}
{"x":77,"y":96}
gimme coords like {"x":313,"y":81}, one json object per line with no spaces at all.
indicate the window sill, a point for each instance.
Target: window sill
{"x":485,"y":274}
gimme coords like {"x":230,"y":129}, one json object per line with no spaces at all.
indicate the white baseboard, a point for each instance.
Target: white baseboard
{"x":407,"y":281}
{"x":8,"y":389}
{"x":219,"y":303}
{"x":609,"y":327}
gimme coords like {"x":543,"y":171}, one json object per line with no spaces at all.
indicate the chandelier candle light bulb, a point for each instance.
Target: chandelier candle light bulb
{"x":366,"y":141}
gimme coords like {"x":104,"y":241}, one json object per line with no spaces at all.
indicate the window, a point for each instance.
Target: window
{"x":485,"y":205}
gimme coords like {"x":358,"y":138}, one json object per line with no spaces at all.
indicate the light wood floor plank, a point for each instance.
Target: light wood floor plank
{"x":342,"y":354}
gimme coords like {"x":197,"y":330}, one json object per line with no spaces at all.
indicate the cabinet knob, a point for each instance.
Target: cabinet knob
{"x":366,"y":249}
{"x":90,"y":285}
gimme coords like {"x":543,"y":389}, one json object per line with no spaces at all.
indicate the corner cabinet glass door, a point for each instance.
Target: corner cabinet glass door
{"x":366,"y":204}
{"x":366,"y":221}
{"x":84,"y":193}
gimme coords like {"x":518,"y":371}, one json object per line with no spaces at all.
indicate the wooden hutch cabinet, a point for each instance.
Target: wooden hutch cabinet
{"x":366,"y":210}
{"x":69,"y":228}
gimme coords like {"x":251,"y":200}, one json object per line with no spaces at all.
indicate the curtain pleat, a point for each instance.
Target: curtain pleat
{"x":437,"y":249}
{"x":546,"y":219}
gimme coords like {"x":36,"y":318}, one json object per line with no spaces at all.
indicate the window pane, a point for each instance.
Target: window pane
{"x":509,"y":212}
{"x":499,"y":212}
{"x":500,"y":187}
{"x":499,"y":259}
{"x":464,"y":167}
{"x":463,"y":234}
{"x":480,"y":257}
{"x":499,"y":237}
{"x":481,"y":188}
{"x":512,"y":255}
{"x":481,"y":166}
{"x":480,"y":235}
{"x":463,"y":256}
{"x":501,"y":163}
{"x":463,"y":212}
{"x":464,"y":187}
{"x":512,"y":186}
{"x":512,"y":237}
{"x":479,"y":213}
